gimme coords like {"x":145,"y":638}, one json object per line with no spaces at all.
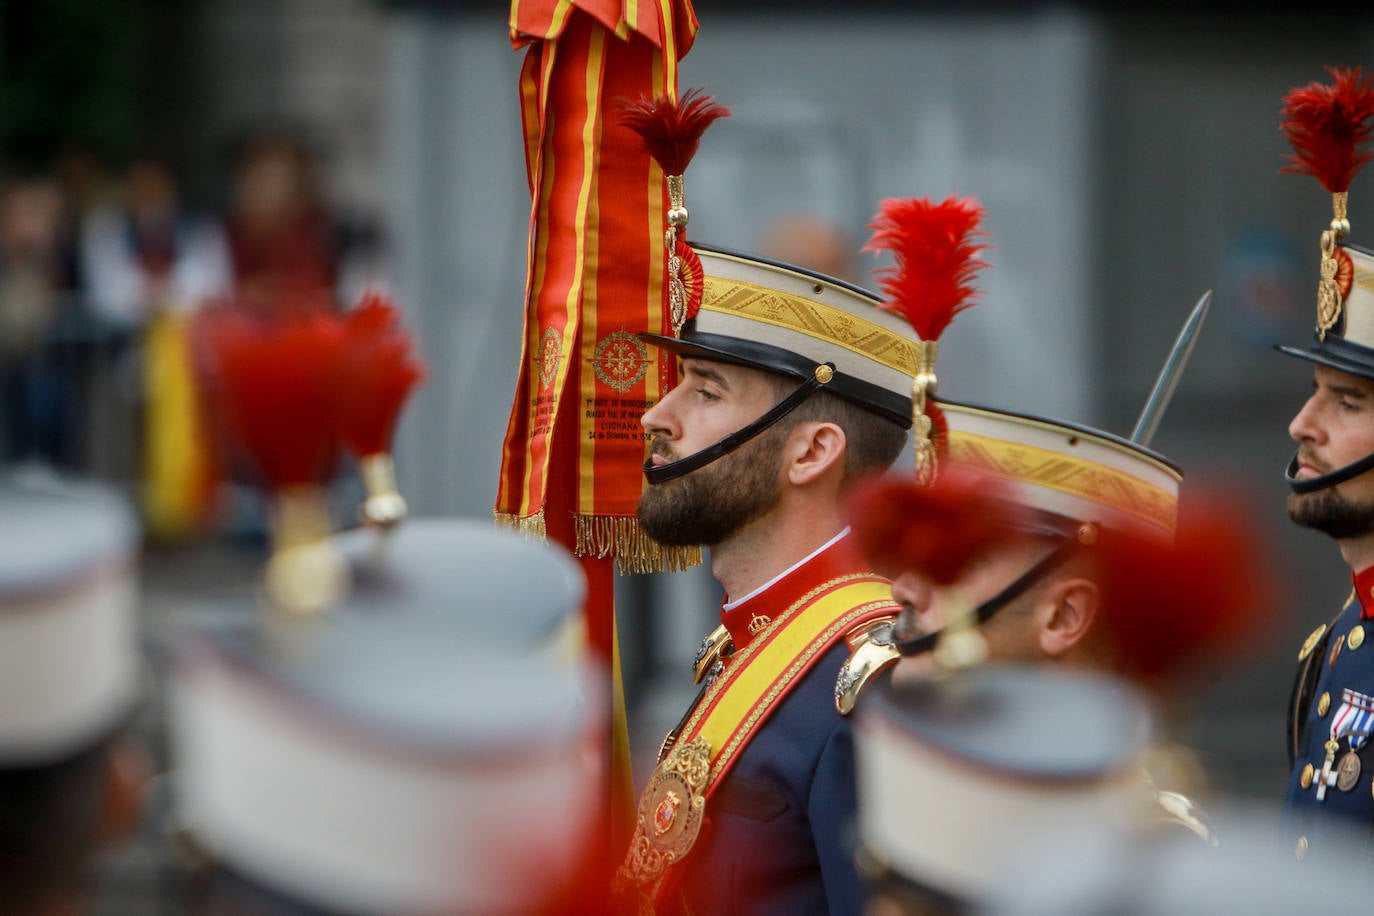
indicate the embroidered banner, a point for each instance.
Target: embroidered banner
{"x":595,"y":272}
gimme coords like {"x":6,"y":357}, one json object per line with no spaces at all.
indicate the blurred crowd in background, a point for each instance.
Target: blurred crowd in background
{"x":104,"y":266}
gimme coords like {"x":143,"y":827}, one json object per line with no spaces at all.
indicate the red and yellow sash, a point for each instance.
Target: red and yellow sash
{"x":732,"y":709}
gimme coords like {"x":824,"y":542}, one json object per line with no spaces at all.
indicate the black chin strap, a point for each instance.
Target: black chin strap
{"x":663,"y":473}
{"x":920,"y":645}
{"x":1340,"y":475}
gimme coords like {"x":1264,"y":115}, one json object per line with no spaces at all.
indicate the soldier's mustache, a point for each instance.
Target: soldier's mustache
{"x":660,"y":449}
{"x":1306,"y":457}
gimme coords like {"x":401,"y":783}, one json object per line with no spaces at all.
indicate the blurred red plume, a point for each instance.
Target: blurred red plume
{"x":671,"y":128}
{"x":377,"y":369}
{"x":936,"y":259}
{"x":938,"y":529}
{"x":1168,"y":608}
{"x":1326,"y":126}
{"x":270,"y":383}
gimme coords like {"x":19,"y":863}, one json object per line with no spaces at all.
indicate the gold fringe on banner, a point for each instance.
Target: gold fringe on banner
{"x":531,"y":526}
{"x":634,"y":551}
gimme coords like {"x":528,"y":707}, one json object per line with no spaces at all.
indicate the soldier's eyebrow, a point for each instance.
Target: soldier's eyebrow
{"x":708,"y":374}
{"x":1349,"y":391}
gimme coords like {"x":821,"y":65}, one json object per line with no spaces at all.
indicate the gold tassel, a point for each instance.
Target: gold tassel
{"x":635,"y":552}
{"x":531,"y":526}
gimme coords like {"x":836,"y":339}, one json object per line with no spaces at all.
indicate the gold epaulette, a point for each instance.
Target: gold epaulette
{"x":871,"y":650}
{"x":713,"y":646}
{"x":1177,"y":809}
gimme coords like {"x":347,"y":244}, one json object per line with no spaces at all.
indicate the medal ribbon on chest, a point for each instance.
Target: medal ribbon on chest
{"x":1353,"y":721}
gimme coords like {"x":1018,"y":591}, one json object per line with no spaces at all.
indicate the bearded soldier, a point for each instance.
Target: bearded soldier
{"x":1332,"y":709}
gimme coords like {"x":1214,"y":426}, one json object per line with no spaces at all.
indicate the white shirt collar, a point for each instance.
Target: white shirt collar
{"x":731,"y":605}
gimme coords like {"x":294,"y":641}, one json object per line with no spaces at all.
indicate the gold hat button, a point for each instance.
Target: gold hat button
{"x":1301,"y":850}
{"x":1324,"y":704}
{"x":1355,"y":638}
{"x":1306,"y":779}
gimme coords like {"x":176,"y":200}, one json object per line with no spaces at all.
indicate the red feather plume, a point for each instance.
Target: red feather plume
{"x":932,"y":280}
{"x":671,"y":128}
{"x":1168,"y":608}
{"x":377,"y":369}
{"x":938,"y":529}
{"x":270,"y":385}
{"x":1326,"y":126}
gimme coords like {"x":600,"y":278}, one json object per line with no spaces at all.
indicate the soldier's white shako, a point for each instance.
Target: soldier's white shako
{"x":430,"y":745}
{"x":69,"y":659}
{"x":1074,"y":472}
{"x":775,"y":316}
{"x":824,"y":332}
{"x":956,"y":775}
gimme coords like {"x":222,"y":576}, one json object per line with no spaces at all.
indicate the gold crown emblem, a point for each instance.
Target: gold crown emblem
{"x":759,"y":624}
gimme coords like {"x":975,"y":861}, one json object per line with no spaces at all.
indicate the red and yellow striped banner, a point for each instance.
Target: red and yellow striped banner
{"x":595,"y":272}
{"x":594,"y":278}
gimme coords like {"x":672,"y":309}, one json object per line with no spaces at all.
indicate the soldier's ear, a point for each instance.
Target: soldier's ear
{"x":812,"y":449}
{"x":1070,"y":607}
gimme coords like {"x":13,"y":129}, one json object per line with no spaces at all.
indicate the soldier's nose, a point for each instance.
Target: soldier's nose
{"x":1302,"y":428}
{"x":911,"y":591}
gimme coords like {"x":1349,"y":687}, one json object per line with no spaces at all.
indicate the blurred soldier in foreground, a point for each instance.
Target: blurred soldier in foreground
{"x":1034,"y":597}
{"x":70,"y":780}
{"x":1105,"y":871}
{"x":1331,"y":713}
{"x":960,"y":777}
{"x":793,"y":383}
{"x":400,"y":724}
{"x":431,"y":743}
{"x":963,"y":773}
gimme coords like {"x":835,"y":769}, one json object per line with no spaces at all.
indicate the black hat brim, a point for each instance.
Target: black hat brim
{"x":753,"y":355}
{"x":1326,"y":357}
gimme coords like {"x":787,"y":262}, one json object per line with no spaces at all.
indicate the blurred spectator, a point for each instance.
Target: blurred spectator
{"x":34,"y":396}
{"x":813,"y":242}
{"x":282,"y":240}
{"x":148,"y":264}
{"x":146,"y":255}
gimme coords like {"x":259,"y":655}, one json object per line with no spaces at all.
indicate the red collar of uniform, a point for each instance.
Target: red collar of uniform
{"x":1364,"y":592}
{"x":751,"y":616}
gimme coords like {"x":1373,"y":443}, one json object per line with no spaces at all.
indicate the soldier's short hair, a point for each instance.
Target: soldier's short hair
{"x":872,"y":442}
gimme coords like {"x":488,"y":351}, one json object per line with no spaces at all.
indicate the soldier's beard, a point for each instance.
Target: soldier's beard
{"x":712,"y":503}
{"x":1332,"y":514}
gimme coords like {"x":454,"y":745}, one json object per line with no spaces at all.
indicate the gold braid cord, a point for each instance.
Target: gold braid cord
{"x":677,"y":289}
{"x":634,"y":551}
{"x":922,"y":442}
{"x":1328,"y":289}
{"x":667,"y":823}
{"x":677,"y":219}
